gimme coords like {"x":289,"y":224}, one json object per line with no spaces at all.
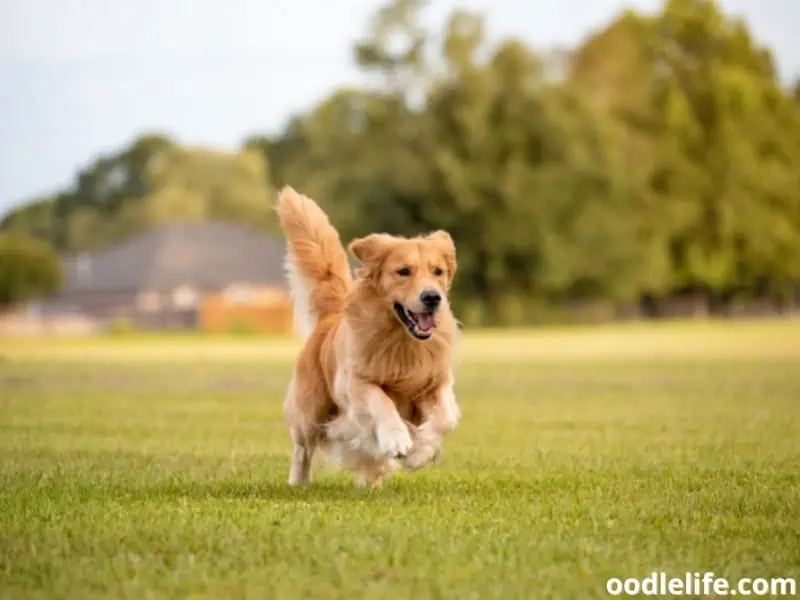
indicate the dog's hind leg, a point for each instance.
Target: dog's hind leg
{"x":300,"y":470}
{"x":301,"y":412}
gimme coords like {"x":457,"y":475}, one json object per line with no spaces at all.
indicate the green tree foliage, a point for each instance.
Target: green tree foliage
{"x":36,"y":219}
{"x":29,"y":269}
{"x":657,"y":162}
{"x":154,"y":182}
{"x":531,"y":182}
{"x":726,"y":140}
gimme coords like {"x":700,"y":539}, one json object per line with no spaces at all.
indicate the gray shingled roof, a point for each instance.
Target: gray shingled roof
{"x":202,"y":255}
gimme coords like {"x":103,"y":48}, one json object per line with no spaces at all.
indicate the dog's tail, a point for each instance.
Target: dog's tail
{"x":316,"y":263}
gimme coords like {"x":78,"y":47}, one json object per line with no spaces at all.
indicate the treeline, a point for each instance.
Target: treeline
{"x":655,"y":165}
{"x":153,"y":182}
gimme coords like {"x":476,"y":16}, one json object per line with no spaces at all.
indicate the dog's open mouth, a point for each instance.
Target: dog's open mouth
{"x":419,"y":324}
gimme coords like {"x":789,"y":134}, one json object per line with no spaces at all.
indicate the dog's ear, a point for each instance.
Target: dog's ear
{"x":371,"y":249}
{"x":447,"y":246}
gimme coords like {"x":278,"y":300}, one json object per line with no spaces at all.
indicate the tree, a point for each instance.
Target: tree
{"x":726,"y":139}
{"x":528,"y":179}
{"x":149,"y":184}
{"x":657,"y":161}
{"x":710,"y":139}
{"x":362,"y":152}
{"x":395,"y":48}
{"x":29,"y":269}
{"x":36,"y":219}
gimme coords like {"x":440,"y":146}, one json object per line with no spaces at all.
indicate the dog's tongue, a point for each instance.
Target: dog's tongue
{"x":425,"y":321}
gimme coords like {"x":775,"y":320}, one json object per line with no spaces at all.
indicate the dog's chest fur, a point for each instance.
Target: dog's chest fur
{"x":407,"y":370}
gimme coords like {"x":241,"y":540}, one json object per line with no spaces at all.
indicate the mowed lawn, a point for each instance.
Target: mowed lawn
{"x":150,"y":468}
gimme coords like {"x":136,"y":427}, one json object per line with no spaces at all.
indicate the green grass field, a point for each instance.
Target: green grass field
{"x":147,"y":468}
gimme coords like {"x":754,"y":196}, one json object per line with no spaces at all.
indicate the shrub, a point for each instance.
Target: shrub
{"x":29,"y":269}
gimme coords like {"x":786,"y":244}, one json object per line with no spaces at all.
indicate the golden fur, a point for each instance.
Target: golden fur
{"x":366,"y":388}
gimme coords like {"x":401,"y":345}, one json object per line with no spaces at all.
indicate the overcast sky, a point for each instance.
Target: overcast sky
{"x":83,"y":77}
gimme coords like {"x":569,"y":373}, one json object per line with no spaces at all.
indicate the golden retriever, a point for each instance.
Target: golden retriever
{"x":373,"y":382}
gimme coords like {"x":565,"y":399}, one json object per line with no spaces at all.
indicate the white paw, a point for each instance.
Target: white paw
{"x":427,"y":448}
{"x":420,"y":456}
{"x":393,"y":439}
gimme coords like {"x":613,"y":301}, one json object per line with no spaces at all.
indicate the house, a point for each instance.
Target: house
{"x":210,"y":276}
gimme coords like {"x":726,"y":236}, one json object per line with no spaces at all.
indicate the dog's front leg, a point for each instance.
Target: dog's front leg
{"x":371,"y":423}
{"x":440,"y":416}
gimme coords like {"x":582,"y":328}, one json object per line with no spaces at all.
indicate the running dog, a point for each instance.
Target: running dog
{"x":373,"y":383}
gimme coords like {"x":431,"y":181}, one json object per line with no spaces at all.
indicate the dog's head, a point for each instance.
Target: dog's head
{"x":412,"y":276}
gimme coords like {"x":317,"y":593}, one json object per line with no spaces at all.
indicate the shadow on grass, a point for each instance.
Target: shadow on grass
{"x":339,"y":490}
{"x":411,"y":490}
{"x":134,"y":477}
{"x":229,"y":489}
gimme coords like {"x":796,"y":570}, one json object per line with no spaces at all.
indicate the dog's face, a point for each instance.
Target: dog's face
{"x":412,"y":276}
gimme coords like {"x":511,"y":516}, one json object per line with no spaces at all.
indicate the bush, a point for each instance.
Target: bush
{"x":29,"y":268}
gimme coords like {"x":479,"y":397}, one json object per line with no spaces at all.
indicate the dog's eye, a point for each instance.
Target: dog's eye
{"x":404,"y":272}
{"x":438,"y":272}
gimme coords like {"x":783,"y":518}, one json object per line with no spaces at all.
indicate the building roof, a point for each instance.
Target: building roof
{"x":201,"y":255}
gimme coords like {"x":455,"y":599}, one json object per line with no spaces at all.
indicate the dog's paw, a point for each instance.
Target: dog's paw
{"x":420,"y":455}
{"x":427,"y":448}
{"x":372,"y":473}
{"x":394,"y":439}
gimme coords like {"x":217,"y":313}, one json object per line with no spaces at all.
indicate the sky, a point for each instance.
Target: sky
{"x":82,"y":78}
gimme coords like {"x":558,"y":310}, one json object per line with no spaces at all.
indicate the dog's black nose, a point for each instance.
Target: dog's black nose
{"x":431,"y":299}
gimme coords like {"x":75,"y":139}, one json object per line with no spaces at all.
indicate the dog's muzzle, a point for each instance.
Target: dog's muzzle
{"x":422,"y":322}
